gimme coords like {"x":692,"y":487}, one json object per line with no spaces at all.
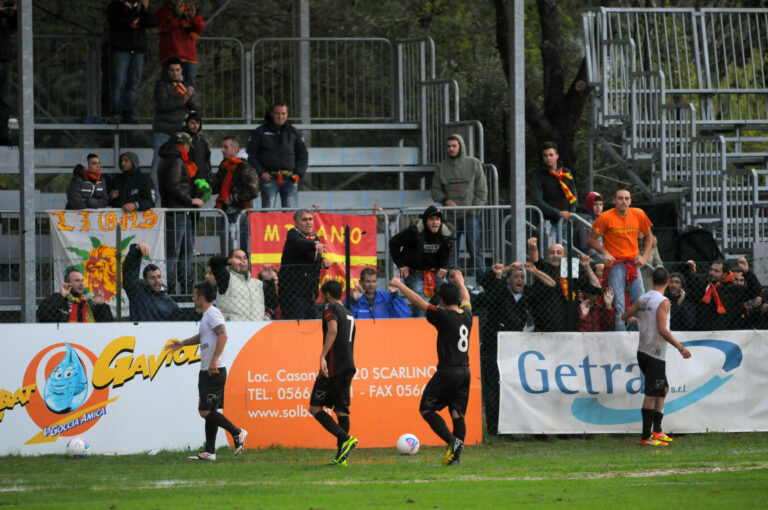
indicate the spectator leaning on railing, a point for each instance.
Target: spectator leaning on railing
{"x":421,"y":253}
{"x":300,"y":266}
{"x":131,"y":189}
{"x":553,"y":190}
{"x":147,"y":297}
{"x":70,"y":304}
{"x":550,"y":310}
{"x":241,"y":296}
{"x":87,"y":189}
{"x":369,"y":303}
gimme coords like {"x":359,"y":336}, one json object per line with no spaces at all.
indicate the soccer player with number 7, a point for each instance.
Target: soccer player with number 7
{"x":450,"y":384}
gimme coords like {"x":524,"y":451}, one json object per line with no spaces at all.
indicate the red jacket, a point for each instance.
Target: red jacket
{"x":178,"y":34}
{"x":598,"y":319}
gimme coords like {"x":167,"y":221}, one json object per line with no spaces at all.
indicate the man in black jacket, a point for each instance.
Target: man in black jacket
{"x":148,"y":298}
{"x":128,"y":22}
{"x":200,"y":152}
{"x":553,"y":190}
{"x":277,"y":151}
{"x":237,"y":185}
{"x":131,"y":190}
{"x":550,"y":305}
{"x":173,"y":100}
{"x":421,"y":253}
{"x":70,"y":305}
{"x":300,"y":268}
{"x":87,"y":189}
{"x":177,"y":190}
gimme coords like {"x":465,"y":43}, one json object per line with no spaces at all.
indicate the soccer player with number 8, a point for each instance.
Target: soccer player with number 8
{"x":450,"y":384}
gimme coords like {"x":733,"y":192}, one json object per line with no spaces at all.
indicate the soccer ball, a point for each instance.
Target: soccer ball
{"x":78,"y":448}
{"x":408,"y":444}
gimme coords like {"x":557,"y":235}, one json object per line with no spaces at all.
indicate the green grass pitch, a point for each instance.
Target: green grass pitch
{"x":698,"y":471}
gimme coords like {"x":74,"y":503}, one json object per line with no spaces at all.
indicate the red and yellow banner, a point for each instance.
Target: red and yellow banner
{"x":268,"y":232}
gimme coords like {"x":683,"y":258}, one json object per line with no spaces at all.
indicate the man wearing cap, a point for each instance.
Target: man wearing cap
{"x":593,"y":207}
{"x":460,"y":181}
{"x":131,"y":190}
{"x":177,"y":190}
{"x":422,"y":252}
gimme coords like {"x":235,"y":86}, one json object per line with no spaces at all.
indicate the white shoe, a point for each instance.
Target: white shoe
{"x":240,"y":441}
{"x":203,"y":456}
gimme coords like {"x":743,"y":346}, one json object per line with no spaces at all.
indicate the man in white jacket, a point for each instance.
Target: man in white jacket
{"x":240,"y":295}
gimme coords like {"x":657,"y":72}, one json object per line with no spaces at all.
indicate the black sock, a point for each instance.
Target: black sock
{"x":647,"y":422}
{"x":210,"y":434}
{"x":459,"y":428}
{"x":657,"y":416}
{"x":331,"y":426}
{"x":221,"y":421}
{"x":439,"y":427}
{"x":344,"y":424}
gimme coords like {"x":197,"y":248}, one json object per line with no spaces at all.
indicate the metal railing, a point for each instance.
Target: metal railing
{"x":647,"y":100}
{"x":679,"y":128}
{"x":744,"y":211}
{"x":415,"y":63}
{"x":708,"y":162}
{"x":350,"y":78}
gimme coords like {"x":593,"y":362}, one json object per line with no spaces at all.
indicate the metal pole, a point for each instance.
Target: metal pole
{"x":347,"y":263}
{"x":568,"y":258}
{"x":119,"y":270}
{"x":517,"y":126}
{"x":304,"y":99}
{"x":27,"y":163}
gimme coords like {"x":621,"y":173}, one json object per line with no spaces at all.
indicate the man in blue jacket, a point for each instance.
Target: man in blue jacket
{"x":369,"y":303}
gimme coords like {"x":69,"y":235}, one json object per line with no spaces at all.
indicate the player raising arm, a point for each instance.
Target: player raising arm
{"x":652,"y":310}
{"x":450,"y":384}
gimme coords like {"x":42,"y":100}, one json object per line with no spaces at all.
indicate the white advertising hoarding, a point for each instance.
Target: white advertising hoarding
{"x":565,"y":383}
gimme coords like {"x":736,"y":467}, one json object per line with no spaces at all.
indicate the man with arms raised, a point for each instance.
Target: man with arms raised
{"x":241,"y":296}
{"x":619,"y":228}
{"x":369,"y":303}
{"x":212,"y":337}
{"x":652,"y":310}
{"x":337,"y":368}
{"x":450,"y":384}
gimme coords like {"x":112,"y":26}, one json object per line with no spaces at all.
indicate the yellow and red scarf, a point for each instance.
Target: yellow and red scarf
{"x":561,"y":175}
{"x":712,"y":291}
{"x":230,"y":165}
{"x":180,"y":88}
{"x":429,"y":284}
{"x":191,"y":165}
{"x":133,"y":5}
{"x":79,"y":313}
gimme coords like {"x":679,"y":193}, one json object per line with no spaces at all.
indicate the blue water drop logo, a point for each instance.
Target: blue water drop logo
{"x":67,"y":386}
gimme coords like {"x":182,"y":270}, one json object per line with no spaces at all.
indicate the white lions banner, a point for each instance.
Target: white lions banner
{"x":87,"y":241}
{"x":565,"y":383}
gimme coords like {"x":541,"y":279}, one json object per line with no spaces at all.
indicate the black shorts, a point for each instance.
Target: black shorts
{"x":333,"y":392}
{"x":655,"y":372}
{"x":211,"y":390}
{"x":448,"y":387}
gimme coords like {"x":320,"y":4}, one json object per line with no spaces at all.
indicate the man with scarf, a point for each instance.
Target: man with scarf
{"x":277,"y":151}
{"x":177,"y":190}
{"x":173,"y":99}
{"x":300,"y":266}
{"x":619,"y":227}
{"x":179,"y":26}
{"x":553,"y":191}
{"x":70,"y":305}
{"x":549,"y":304}
{"x":237,"y":185}
{"x":422,"y":252}
{"x":87,"y":189}
{"x":717,"y":296}
{"x":128,"y":22}
{"x":460,"y":181}
{"x":131,"y":190}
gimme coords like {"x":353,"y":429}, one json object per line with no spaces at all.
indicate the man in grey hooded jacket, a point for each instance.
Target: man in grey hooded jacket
{"x":460,"y":181}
